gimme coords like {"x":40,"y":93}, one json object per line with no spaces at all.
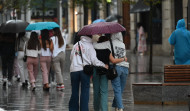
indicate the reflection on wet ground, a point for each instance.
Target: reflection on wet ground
{"x":16,"y":98}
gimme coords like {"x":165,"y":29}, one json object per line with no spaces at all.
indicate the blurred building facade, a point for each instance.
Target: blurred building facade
{"x":165,"y":17}
{"x":101,"y":10}
{"x":74,"y":17}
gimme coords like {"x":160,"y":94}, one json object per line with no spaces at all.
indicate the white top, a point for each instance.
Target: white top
{"x":118,"y":46}
{"x":56,"y":49}
{"x":32,"y":53}
{"x":46,"y":52}
{"x":88,"y":53}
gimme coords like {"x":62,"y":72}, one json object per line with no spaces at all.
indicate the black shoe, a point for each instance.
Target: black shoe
{"x":26,"y":82}
{"x":23,"y":85}
{"x":4,"y":84}
{"x":18,"y":79}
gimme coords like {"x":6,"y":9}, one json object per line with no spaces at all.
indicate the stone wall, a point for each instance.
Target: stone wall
{"x":167,"y":25}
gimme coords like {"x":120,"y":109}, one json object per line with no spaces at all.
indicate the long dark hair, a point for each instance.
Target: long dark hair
{"x":57,"y":33}
{"x":34,"y":42}
{"x":20,"y":35}
{"x":45,"y":37}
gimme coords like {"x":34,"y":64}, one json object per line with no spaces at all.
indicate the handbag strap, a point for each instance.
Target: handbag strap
{"x":25,"y":48}
{"x":112,"y":50}
{"x":80,"y":52}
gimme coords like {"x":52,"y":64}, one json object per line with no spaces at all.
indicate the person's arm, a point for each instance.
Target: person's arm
{"x":115,"y":61}
{"x":72,"y":53}
{"x":94,"y":59}
{"x":51,"y":46}
{"x":172,"y":38}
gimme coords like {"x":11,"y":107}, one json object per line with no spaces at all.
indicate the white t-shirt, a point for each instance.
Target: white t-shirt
{"x":56,"y":49}
{"x":46,"y":52}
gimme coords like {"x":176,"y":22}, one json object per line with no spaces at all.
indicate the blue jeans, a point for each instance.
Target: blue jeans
{"x":118,"y":85}
{"x":78,"y":78}
{"x":100,"y":88}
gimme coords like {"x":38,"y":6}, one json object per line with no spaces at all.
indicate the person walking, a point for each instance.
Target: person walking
{"x":78,"y":77}
{"x":58,"y":57}
{"x":32,"y":51}
{"x":45,"y":57}
{"x":119,"y":82}
{"x":180,"y":38}
{"x":7,"y":56}
{"x":100,"y":81}
{"x":16,"y":70}
{"x":142,"y":47}
{"x":21,"y":41}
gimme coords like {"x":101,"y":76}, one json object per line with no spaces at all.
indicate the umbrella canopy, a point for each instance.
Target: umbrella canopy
{"x":98,"y":20}
{"x":101,"y":28}
{"x":140,"y":7}
{"x":41,"y":26}
{"x":113,"y":18}
{"x":13,"y":26}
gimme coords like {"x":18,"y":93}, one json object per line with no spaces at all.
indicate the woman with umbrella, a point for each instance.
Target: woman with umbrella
{"x":45,"y":57}
{"x":21,"y":41}
{"x":33,"y":49}
{"x":87,"y":55}
{"x":100,"y":81}
{"x":7,"y":56}
{"x":119,"y":82}
{"x":58,"y":57}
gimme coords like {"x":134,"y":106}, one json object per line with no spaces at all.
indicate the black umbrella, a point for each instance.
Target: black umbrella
{"x":140,"y":6}
{"x":13,"y":26}
{"x":112,"y":18}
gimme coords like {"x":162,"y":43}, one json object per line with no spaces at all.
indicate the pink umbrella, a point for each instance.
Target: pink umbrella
{"x":101,"y":28}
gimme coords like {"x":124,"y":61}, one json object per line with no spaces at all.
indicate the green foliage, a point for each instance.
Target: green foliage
{"x":47,"y":3}
{"x":147,"y":2}
{"x":87,"y":3}
{"x":154,"y":2}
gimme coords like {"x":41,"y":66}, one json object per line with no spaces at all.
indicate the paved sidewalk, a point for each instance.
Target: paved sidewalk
{"x":16,"y":98}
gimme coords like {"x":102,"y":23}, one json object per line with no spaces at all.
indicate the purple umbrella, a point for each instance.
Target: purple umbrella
{"x":101,"y":28}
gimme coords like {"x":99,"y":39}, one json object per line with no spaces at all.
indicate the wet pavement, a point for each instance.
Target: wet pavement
{"x":15,"y":98}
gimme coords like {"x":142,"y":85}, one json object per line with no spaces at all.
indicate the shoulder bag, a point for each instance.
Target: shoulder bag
{"x":112,"y":72}
{"x":88,"y":69}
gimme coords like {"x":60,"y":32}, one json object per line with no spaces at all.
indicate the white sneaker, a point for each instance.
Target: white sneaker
{"x":33,"y":87}
{"x":120,"y":110}
{"x":9,"y":83}
{"x":60,"y":87}
{"x":116,"y":109}
{"x":4,"y":82}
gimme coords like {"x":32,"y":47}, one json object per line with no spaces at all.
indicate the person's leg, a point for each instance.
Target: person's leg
{"x":57,"y":68}
{"x":123,"y":78}
{"x":4,"y":66}
{"x":30,"y":70}
{"x":44,"y":69}
{"x":25,"y":73}
{"x":21,"y":66}
{"x":10,"y":67}
{"x":104,"y":93}
{"x":16,"y":70}
{"x":48,"y":63}
{"x":85,"y":86}
{"x":62,"y":60}
{"x":96,"y":90}
{"x":117,"y":102}
{"x":74,"y":100}
{"x":36,"y":66}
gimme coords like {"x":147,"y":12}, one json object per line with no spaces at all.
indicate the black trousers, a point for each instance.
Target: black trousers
{"x":7,"y":66}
